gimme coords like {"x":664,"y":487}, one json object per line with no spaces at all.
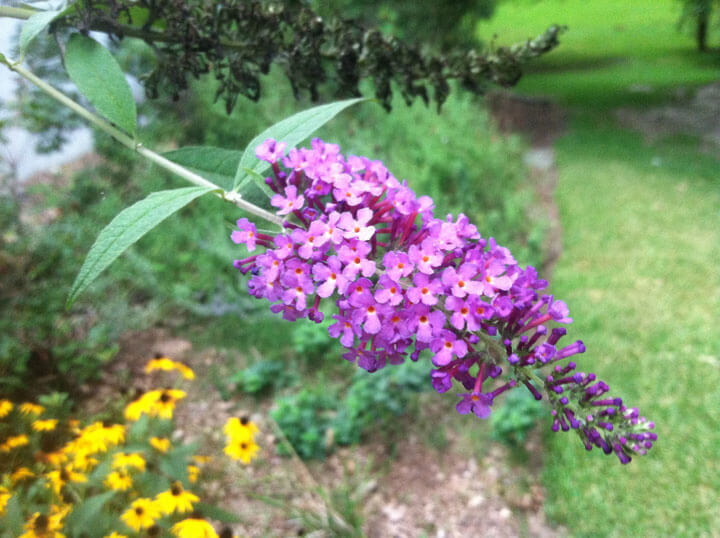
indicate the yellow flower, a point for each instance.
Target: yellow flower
{"x":83,"y":460}
{"x":114,"y":534}
{"x":240,"y":429}
{"x":193,"y":528}
{"x":5,"y":407}
{"x":244,"y":451}
{"x":31,"y":409}
{"x":176,"y":499}
{"x":43,"y":526}
{"x":118,"y":480}
{"x":141,"y":514}
{"x":97,"y":438}
{"x":161,"y":444}
{"x":123,"y":461}
{"x":20,"y":474}
{"x":46,"y":425}
{"x":60,"y":477}
{"x":156,"y":403}
{"x":166,"y":364}
{"x":193,"y":473}
{"x":4,"y":498}
{"x":197,"y":458}
{"x":14,"y":442}
{"x":53,"y":458}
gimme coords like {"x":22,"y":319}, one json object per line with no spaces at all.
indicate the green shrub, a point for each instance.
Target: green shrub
{"x":374,"y":400}
{"x":305,"y":419}
{"x":261,"y":377}
{"x":517,"y":415}
{"x":312,"y":341}
{"x":315,"y":420}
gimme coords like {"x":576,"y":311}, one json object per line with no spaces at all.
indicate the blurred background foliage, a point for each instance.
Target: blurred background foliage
{"x":181,"y":274}
{"x":617,"y":54}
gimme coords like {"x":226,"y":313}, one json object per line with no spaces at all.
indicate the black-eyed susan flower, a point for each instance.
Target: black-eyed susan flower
{"x":115,"y":534}
{"x":14,"y":441}
{"x":21,"y":473}
{"x":83,"y":460}
{"x":240,"y":429}
{"x":4,"y":498}
{"x":141,"y":514}
{"x":55,"y":459}
{"x":5,"y":407}
{"x":59,"y":477}
{"x":168,"y":365}
{"x":240,"y":434}
{"x":176,"y":499}
{"x":45,"y":425}
{"x":98,"y":437}
{"x":127,"y":461}
{"x":244,"y":451}
{"x":161,"y":444}
{"x":165,"y":404}
{"x":42,"y":526}
{"x":29,"y":408}
{"x":155,"y":403}
{"x":118,"y":480}
{"x":193,"y":527}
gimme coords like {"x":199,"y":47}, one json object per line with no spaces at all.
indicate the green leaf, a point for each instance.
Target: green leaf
{"x":85,"y":515}
{"x":13,"y":519}
{"x":126,"y":228}
{"x":213,"y":512}
{"x":215,"y":164}
{"x":99,"y":78}
{"x":292,"y":130}
{"x":33,"y":26}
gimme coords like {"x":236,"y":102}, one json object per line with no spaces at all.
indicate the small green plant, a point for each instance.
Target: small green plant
{"x":314,"y":421}
{"x":312,"y":341}
{"x":261,"y":377}
{"x":305,"y":418}
{"x":512,"y":421}
{"x":372,"y":401}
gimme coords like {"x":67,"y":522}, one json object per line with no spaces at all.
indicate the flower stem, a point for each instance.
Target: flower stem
{"x":134,"y":145}
{"x":17,"y":12}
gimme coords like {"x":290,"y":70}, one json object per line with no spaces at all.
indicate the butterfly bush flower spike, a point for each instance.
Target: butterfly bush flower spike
{"x":399,"y":281}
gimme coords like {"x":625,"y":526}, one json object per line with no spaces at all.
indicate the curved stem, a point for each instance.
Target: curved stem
{"x":132,"y":144}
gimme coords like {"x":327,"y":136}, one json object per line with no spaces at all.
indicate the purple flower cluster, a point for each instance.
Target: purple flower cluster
{"x":403,"y":281}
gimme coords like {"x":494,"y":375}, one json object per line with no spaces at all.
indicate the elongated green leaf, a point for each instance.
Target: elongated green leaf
{"x":292,"y":130}
{"x":216,"y":164}
{"x":126,"y":228}
{"x":214,"y":512}
{"x":13,"y":520}
{"x":33,"y":26}
{"x":88,"y":512}
{"x":99,"y":78}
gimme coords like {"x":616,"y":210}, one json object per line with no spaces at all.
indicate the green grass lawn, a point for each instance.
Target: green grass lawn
{"x":614,"y":53}
{"x":641,"y":243}
{"x":639,"y":271}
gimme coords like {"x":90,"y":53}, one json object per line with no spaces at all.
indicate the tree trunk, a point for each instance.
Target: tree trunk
{"x":701,"y":29}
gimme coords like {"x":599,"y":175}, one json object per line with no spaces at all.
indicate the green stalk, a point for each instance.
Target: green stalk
{"x":132,"y":144}
{"x":16,"y":12}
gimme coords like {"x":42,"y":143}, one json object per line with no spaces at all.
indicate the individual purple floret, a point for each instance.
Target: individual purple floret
{"x":401,"y":281}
